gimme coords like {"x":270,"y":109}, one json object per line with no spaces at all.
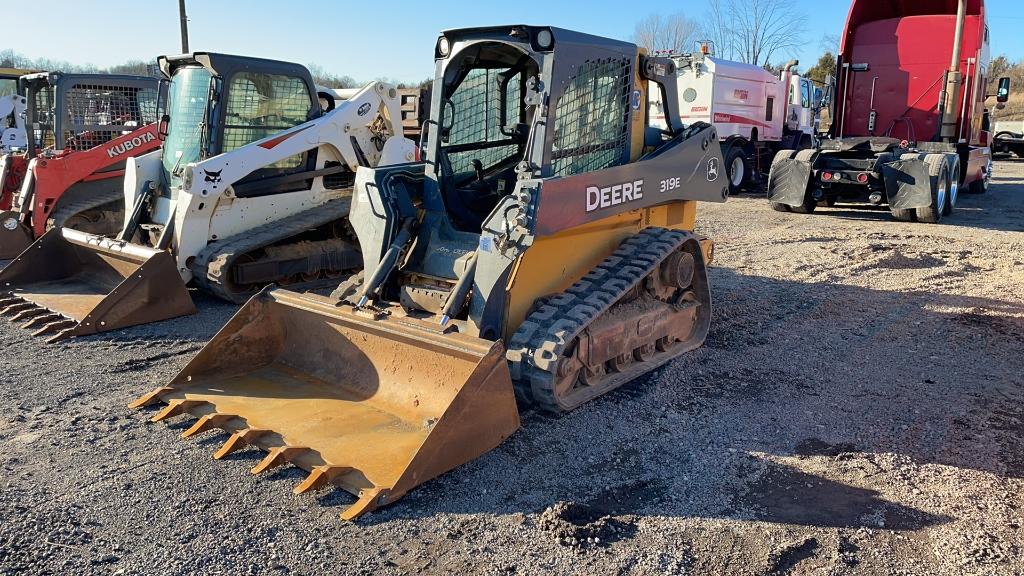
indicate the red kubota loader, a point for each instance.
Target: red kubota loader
{"x":84,"y":127}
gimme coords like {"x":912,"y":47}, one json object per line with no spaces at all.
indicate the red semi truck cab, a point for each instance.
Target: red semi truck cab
{"x":891,"y":74}
{"x":910,"y":126}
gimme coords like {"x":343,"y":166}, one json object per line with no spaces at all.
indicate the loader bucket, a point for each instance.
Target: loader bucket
{"x":373,"y":406}
{"x":15,"y":236}
{"x":70,"y":283}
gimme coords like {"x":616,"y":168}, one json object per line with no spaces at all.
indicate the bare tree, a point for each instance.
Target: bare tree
{"x":754,"y":31}
{"x":329,"y":80}
{"x":666,"y":32}
{"x":829,"y":43}
{"x":718,"y":29}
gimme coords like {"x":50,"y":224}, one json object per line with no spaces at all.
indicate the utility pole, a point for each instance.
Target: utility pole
{"x":184,"y":27}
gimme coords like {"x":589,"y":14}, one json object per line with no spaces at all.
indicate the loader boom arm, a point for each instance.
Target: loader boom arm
{"x":349,"y":129}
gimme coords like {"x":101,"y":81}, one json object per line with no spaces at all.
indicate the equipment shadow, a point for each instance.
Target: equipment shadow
{"x":802,"y":394}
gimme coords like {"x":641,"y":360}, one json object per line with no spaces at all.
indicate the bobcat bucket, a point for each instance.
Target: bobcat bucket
{"x":70,"y":283}
{"x":376,"y":407}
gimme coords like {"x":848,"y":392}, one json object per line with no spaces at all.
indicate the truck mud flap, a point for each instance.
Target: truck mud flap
{"x":70,"y":283}
{"x":788,"y":180}
{"x":907,"y":184}
{"x":15,"y":236}
{"x":374,"y":406}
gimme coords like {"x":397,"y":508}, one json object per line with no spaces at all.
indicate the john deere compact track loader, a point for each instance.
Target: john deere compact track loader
{"x":544,"y":249}
{"x":252,"y":186}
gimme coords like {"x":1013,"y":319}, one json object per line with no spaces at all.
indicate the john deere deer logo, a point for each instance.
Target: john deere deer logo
{"x":712,"y":169}
{"x":213,"y":177}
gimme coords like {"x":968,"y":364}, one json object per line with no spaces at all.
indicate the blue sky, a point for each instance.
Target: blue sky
{"x":360,"y":39}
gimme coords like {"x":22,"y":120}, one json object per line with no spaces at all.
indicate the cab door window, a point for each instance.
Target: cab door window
{"x":261,"y":105}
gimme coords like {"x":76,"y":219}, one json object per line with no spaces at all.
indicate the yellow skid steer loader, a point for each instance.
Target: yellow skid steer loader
{"x":543,"y":250}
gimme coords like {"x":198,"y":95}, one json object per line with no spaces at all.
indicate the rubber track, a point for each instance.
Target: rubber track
{"x":538,"y":344}
{"x":214,"y":262}
{"x":66,"y":211}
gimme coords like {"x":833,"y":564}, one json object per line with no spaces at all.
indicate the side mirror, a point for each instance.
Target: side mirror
{"x":163,"y":127}
{"x":447,"y":118}
{"x":327,"y":101}
{"x":1003,"y":93}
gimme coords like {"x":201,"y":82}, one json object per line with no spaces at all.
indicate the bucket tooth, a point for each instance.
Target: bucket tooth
{"x":9,"y":300}
{"x":175,"y":407}
{"x":29,"y":313}
{"x":319,"y":476}
{"x":277,"y":456}
{"x":16,"y":307}
{"x":55,"y":326}
{"x":237,"y":441}
{"x":150,"y":398}
{"x":63,"y":334}
{"x":41,"y":320}
{"x":368,"y":501}
{"x":207,"y":422}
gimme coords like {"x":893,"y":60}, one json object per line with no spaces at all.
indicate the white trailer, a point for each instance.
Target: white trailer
{"x":755,"y":112}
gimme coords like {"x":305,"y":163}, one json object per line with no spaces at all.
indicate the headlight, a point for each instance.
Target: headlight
{"x":545,"y":40}
{"x":444,"y":46}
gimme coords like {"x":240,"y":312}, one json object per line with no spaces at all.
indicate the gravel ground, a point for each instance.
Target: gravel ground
{"x":858,"y":409}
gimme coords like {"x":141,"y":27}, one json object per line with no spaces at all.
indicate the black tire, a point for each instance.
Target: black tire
{"x":736,"y":158}
{"x":938,"y":171}
{"x":981,"y":186}
{"x":778,"y":207}
{"x":954,"y":185}
{"x":1002,"y":147}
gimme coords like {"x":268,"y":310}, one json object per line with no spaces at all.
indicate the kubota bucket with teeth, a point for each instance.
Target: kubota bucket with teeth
{"x":70,"y":283}
{"x":372,"y":406}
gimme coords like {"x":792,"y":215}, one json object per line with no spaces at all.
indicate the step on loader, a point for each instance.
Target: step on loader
{"x":252,"y":186}
{"x":84,"y":126}
{"x":543,"y":249}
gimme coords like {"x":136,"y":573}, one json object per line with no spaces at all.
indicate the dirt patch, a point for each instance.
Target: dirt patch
{"x":582,"y":526}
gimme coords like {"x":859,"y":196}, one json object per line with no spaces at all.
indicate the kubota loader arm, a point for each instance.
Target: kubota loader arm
{"x":16,"y":137}
{"x":352,"y":129}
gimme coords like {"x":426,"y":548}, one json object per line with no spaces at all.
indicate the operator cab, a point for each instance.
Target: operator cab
{"x":484,"y":128}
{"x":220,"y":102}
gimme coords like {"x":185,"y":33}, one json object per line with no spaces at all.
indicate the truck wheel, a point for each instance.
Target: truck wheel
{"x":954,"y":184}
{"x":1000,"y":147}
{"x":938,"y":170}
{"x":981,"y":185}
{"x":779,"y":207}
{"x":735,"y":167}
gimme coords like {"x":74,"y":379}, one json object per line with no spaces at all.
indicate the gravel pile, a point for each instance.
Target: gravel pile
{"x":858,"y":408}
